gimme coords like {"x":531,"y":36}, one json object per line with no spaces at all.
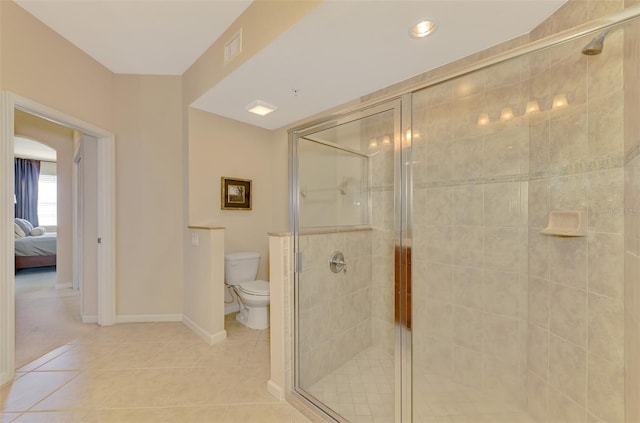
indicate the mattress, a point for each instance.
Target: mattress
{"x":44,"y":245}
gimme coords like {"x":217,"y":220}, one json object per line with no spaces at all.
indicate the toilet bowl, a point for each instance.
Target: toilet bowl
{"x":240,"y":270}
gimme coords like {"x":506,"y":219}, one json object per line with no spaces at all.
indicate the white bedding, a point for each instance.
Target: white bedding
{"x":43,"y":245}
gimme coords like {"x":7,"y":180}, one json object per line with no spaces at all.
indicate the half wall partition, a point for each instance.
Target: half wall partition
{"x":489,"y":226}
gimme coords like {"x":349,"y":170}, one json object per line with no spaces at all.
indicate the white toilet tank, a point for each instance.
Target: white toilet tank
{"x":241,"y":267}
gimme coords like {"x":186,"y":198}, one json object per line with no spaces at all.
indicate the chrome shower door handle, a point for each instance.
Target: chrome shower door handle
{"x":337,"y":263}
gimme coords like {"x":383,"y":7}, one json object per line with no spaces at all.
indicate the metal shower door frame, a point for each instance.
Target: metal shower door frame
{"x":401,"y":106}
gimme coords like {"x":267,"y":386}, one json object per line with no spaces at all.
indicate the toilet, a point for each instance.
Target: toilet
{"x":240,"y":271}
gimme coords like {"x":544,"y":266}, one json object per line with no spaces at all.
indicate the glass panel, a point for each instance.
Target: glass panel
{"x":345,"y":327}
{"x":334,"y":186}
{"x":509,"y":323}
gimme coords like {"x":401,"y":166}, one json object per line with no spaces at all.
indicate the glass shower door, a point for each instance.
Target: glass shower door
{"x":345,"y":235}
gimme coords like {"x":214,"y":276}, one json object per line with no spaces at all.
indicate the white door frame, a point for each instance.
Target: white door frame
{"x":106,"y":220}
{"x":77,"y":199}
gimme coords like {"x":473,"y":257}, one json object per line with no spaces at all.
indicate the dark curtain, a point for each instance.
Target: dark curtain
{"x":27,"y":173}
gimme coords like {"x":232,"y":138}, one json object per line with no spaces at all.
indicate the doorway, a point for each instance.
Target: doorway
{"x":47,"y":309}
{"x":105,"y":239}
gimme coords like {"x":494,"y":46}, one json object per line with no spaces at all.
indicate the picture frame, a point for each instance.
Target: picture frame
{"x":236,"y":194}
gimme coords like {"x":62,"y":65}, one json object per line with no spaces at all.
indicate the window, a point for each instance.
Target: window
{"x":48,"y":195}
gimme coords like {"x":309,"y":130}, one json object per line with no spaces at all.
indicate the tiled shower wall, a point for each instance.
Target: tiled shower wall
{"x":469,"y":233}
{"x":335,"y":308}
{"x":576,"y":327}
{"x":632,"y":222}
{"x":531,"y":318}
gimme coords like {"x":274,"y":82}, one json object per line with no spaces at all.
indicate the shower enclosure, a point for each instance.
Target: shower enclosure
{"x":460,"y":248}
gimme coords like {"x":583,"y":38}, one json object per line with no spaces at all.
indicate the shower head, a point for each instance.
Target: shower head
{"x":596,"y":45}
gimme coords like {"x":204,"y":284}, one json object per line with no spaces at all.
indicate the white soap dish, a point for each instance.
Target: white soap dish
{"x":566,"y":223}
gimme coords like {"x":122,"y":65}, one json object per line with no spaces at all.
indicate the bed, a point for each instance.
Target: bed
{"x":33,"y":248}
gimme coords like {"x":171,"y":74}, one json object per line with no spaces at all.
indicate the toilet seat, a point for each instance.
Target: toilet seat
{"x":259,"y":288}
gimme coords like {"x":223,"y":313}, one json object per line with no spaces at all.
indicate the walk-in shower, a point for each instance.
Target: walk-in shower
{"x":459,"y":299}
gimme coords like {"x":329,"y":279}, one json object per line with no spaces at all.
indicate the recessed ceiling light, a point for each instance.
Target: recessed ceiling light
{"x":422,"y":29}
{"x":261,"y":108}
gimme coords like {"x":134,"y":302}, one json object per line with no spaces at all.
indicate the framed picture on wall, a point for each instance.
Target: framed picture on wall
{"x":236,"y":194}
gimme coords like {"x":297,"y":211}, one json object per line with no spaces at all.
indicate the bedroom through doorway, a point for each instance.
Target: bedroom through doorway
{"x":48,"y":300}
{"x":97,"y":255}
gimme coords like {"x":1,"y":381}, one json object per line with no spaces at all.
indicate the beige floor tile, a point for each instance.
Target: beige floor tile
{"x":80,"y":357}
{"x":118,"y":334}
{"x":260,"y":413}
{"x":176,"y":354}
{"x":130,"y":356}
{"x":164,"y":415}
{"x":220,"y":358}
{"x":45,"y":358}
{"x":58,"y":417}
{"x":8,"y":417}
{"x":249,"y":390}
{"x":88,"y":391}
{"x":169,"y":387}
{"x":200,"y":387}
{"x":31,"y":388}
{"x":158,"y":372}
{"x":174,"y":332}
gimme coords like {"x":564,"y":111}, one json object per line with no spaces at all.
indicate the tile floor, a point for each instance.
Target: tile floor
{"x":149,"y":372}
{"x":362,"y":389}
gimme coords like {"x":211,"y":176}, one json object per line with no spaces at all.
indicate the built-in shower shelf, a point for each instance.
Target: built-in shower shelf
{"x":566,"y":223}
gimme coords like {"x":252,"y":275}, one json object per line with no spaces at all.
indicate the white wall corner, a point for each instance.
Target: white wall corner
{"x":276,"y":390}
{"x":207,"y":337}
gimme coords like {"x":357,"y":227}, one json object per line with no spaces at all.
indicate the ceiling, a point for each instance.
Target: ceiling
{"x":28,"y":149}
{"x":157,"y":37}
{"x":339,"y":52}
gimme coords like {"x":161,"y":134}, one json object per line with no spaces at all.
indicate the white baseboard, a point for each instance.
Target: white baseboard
{"x":203,"y":334}
{"x":63,"y":285}
{"x":89,"y":318}
{"x":148,"y":318}
{"x":275,"y":390}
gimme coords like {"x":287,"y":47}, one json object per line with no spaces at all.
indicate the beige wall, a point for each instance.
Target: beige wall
{"x":40,"y":65}
{"x":145,"y":113}
{"x":223,"y":147}
{"x":149,"y":194}
{"x":204,"y":282}
{"x":60,"y":139}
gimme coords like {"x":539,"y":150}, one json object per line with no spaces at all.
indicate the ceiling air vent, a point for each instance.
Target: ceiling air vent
{"x":233,"y":47}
